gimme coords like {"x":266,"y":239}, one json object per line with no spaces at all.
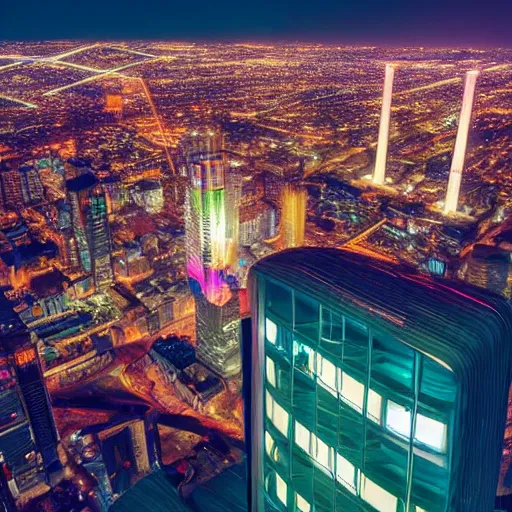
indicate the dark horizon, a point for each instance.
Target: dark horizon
{"x":440,"y":24}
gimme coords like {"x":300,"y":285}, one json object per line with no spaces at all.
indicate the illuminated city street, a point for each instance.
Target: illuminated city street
{"x":148,"y":191}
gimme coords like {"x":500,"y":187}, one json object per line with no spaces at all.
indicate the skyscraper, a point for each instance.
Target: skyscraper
{"x":205,"y":220}
{"x":379,"y":174}
{"x":78,"y":189}
{"x":218,"y":334}
{"x":364,"y":401}
{"x":459,"y":151}
{"x":99,"y":238}
{"x":28,"y":437}
{"x":90,"y":227}
{"x":211,"y":241}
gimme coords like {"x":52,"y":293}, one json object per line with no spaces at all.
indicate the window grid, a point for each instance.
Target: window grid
{"x":331,"y":377}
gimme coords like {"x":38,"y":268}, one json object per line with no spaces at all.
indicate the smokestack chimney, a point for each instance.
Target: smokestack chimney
{"x":459,"y":152}
{"x":379,"y":173}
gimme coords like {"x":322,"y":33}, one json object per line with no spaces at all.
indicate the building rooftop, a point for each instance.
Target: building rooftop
{"x":442,"y":314}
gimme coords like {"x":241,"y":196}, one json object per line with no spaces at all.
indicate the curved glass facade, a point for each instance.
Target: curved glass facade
{"x":354,"y":419}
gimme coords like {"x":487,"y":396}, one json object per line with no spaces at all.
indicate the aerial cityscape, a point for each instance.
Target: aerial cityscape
{"x":255,"y":276}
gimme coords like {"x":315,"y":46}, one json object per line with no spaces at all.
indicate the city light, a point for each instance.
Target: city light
{"x":290,"y":255}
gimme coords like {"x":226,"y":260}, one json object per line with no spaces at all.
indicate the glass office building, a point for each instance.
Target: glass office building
{"x":373,"y":388}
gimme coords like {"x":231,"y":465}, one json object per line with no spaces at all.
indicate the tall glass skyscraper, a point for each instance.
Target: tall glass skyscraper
{"x":99,"y":238}
{"x":373,"y":388}
{"x":211,"y":229}
{"x":28,"y":436}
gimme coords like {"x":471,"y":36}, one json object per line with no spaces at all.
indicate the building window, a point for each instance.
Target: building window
{"x":302,"y":437}
{"x":271,"y":331}
{"x":301,"y":504}
{"x":352,"y":391}
{"x":346,"y":473}
{"x":326,"y":372}
{"x":269,"y":444}
{"x":281,"y":489}
{"x":374,"y":406}
{"x":324,"y":455}
{"x":271,"y":372}
{"x":304,"y":358}
{"x":398,"y":419}
{"x":376,"y":496}
{"x":277,"y":415}
{"x":307,"y":317}
{"x":431,"y":433}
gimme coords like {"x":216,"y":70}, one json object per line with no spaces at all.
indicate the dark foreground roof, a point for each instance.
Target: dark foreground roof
{"x":154,"y":493}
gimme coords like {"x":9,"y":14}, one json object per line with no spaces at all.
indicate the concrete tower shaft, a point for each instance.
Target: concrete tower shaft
{"x":379,"y":174}
{"x":459,"y":152}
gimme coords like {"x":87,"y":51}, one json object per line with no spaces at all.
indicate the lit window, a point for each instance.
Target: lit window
{"x":324,"y":455}
{"x":302,"y":504}
{"x":398,"y":419}
{"x":376,"y":496}
{"x":302,"y":437}
{"x":271,"y":372}
{"x":281,"y":489}
{"x":277,"y":415}
{"x":374,"y":406}
{"x":304,"y":358}
{"x":345,"y":473}
{"x":327,"y":374}
{"x":431,"y":432}
{"x":352,"y":391}
{"x":269,"y":444}
{"x":269,"y":404}
{"x":271,"y":330}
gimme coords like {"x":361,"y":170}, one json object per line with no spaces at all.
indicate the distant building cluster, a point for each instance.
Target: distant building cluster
{"x":345,"y":202}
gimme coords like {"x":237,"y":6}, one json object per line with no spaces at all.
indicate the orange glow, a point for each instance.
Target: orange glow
{"x":293,"y":220}
{"x":25,"y":356}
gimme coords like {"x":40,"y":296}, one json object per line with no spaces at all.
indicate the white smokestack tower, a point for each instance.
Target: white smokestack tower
{"x":379,"y":173}
{"x":459,"y":152}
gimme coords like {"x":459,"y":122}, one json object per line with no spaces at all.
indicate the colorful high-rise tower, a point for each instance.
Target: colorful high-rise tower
{"x":459,"y":151}
{"x":205,"y":220}
{"x":379,"y":174}
{"x":210,"y":250}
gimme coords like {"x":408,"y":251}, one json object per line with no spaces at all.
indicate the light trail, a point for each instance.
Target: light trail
{"x":12,"y":65}
{"x":448,"y":81}
{"x":75,"y":50}
{"x":366,"y":233}
{"x":75,"y":66}
{"x":16,"y":100}
{"x":135,"y":52}
{"x":113,"y":71}
{"x":159,"y":124}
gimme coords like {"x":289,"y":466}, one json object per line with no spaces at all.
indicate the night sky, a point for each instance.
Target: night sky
{"x":392,"y":22}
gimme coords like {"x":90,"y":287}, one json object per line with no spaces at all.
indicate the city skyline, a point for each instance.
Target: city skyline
{"x":352,"y":203}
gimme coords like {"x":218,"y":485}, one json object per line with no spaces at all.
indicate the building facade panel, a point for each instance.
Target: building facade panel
{"x":359,"y":410}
